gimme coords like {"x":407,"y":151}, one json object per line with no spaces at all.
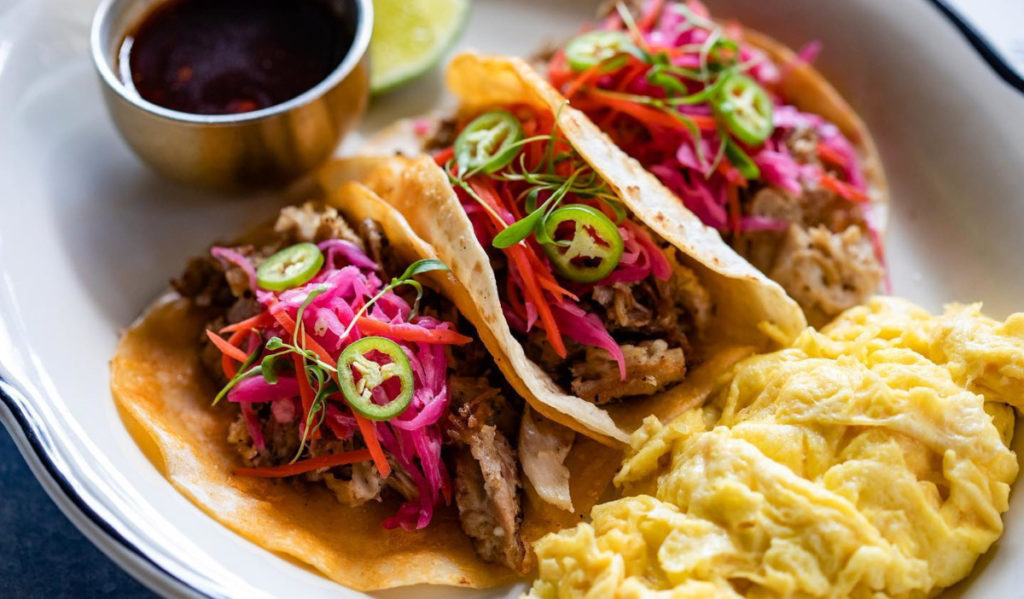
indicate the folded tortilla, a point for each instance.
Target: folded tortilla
{"x":164,"y":397}
{"x":832,"y":259}
{"x":751,"y":311}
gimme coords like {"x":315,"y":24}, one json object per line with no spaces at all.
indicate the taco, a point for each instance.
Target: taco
{"x":316,"y":386}
{"x":601,"y":292}
{"x":750,"y":137}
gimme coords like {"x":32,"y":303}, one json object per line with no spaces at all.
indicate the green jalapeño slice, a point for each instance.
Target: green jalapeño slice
{"x":290,"y":267}
{"x":373,"y":375}
{"x":594,"y":248}
{"x":489,"y":143}
{"x":746,"y":110}
{"x":594,"y":47}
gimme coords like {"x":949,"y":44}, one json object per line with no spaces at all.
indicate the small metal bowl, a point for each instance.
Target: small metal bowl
{"x":270,"y":146}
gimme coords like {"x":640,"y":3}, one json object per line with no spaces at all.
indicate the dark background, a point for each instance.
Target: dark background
{"x":41,"y":553}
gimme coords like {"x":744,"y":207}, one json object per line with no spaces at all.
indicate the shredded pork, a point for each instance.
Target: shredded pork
{"x":315,"y":224}
{"x":827,"y":272}
{"x":487,"y":483}
{"x":825,"y":259}
{"x":672,"y":309}
{"x":442,"y":136}
{"x":650,"y":367}
{"x":655,"y":322}
{"x":364,"y":484}
{"x":487,"y":494}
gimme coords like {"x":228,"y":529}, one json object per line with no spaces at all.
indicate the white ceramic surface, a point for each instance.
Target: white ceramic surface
{"x":88,"y":237}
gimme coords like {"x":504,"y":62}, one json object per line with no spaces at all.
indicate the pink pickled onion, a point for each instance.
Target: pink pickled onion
{"x":229,"y":256}
{"x":779,"y":169}
{"x":284,"y":411}
{"x":762,"y":223}
{"x":256,"y":390}
{"x":252,"y":425}
{"x":587,"y":329}
{"x":348,"y":250}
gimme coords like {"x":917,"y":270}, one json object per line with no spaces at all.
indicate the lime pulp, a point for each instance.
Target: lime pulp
{"x":410,"y":37}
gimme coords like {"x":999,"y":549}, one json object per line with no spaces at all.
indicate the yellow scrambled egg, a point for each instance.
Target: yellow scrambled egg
{"x":867,"y":460}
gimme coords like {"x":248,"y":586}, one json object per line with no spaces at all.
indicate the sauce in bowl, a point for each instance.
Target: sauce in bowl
{"x":233,"y":56}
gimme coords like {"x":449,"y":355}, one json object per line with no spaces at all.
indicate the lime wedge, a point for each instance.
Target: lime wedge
{"x":410,"y":36}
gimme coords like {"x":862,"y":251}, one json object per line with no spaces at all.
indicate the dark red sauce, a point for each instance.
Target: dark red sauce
{"x":231,"y":56}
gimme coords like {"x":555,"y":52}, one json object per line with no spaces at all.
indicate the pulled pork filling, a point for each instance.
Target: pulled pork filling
{"x":481,"y":427}
{"x":655,"y":323}
{"x":825,"y":259}
{"x":486,"y":476}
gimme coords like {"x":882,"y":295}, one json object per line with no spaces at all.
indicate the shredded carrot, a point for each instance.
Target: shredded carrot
{"x":507,"y":199}
{"x":731,"y":174}
{"x":226,"y":347}
{"x":336,"y":428}
{"x":288,"y":323}
{"x":518,"y":255}
{"x":845,"y":190}
{"x":647,"y":114}
{"x":830,"y":155}
{"x":651,"y":16}
{"x":558,"y":70}
{"x":373,"y":444}
{"x":542,"y":271}
{"x":529,"y":126}
{"x":634,"y":71}
{"x":411,"y":334}
{"x":547,"y":280}
{"x":259,"y":321}
{"x":303,"y":466}
{"x":444,"y":156}
{"x":228,"y":364}
{"x":305,"y":392}
{"x":582,"y":79}
{"x":669,"y":50}
{"x":534,"y":151}
{"x":485,"y":191}
{"x":515,"y":300}
{"x":446,"y":490}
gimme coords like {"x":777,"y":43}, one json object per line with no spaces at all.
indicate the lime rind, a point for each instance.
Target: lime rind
{"x":410,"y":37}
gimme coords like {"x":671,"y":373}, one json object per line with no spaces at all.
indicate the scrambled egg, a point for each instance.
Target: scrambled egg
{"x":868,"y":460}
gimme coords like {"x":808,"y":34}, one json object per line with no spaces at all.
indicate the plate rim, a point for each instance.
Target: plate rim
{"x":110,"y":535}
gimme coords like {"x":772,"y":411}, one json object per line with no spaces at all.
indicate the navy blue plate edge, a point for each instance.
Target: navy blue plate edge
{"x":982,"y":45}
{"x":8,"y":391}
{"x":15,"y":401}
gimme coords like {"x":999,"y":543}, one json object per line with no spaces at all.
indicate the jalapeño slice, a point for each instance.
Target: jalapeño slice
{"x":591,"y":48}
{"x":489,"y":143}
{"x":372,"y":375}
{"x":290,"y":267}
{"x":594,"y":249}
{"x":746,"y":109}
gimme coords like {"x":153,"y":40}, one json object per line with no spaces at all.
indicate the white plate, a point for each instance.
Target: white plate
{"x":88,"y":237}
